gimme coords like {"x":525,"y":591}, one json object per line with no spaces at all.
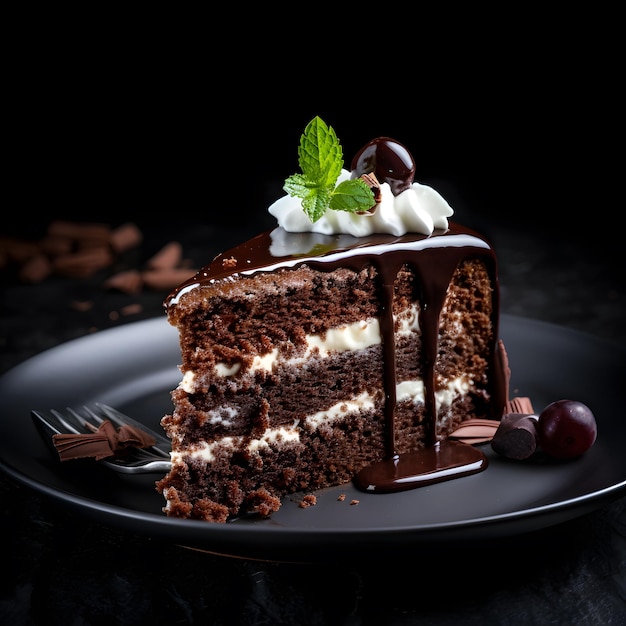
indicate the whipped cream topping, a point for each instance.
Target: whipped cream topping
{"x":418,"y":209}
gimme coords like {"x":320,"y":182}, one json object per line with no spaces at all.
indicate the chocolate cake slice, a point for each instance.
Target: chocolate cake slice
{"x":310,"y":359}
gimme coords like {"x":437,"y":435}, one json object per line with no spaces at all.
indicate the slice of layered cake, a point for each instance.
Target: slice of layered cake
{"x":346,"y":344}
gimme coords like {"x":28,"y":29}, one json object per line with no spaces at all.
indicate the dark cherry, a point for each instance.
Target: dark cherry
{"x":566,"y":429}
{"x":390,"y":161}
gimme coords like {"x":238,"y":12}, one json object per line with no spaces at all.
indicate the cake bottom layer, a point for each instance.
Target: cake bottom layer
{"x":232,"y":476}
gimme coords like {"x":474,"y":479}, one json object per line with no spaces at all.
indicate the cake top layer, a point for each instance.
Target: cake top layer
{"x":273,"y":250}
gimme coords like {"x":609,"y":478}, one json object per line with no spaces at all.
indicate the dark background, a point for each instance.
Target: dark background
{"x":163,"y":133}
{"x":534,"y":163}
{"x":188,"y":128}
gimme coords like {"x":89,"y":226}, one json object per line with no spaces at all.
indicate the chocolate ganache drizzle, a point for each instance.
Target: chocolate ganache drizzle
{"x":434,"y":253}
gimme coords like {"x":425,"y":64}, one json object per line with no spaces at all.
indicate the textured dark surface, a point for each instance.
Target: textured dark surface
{"x":61,"y":569}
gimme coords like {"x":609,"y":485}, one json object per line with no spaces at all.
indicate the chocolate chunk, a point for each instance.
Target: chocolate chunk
{"x":125,"y":237}
{"x":35,"y":269}
{"x":516,"y":437}
{"x":168,"y":257}
{"x":167,"y":278}
{"x":127,"y":281}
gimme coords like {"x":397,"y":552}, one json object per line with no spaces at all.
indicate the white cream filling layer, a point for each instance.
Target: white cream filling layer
{"x":363,"y":401}
{"x":356,"y":336}
{"x":413,"y":391}
{"x":269,"y":438}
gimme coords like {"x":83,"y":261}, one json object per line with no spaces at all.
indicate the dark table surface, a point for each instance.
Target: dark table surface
{"x":61,"y":568}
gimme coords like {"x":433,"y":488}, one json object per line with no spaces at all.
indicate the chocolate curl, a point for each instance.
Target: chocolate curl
{"x":372,"y":182}
{"x":520,"y":404}
{"x":475,"y":430}
{"x":104,"y":442}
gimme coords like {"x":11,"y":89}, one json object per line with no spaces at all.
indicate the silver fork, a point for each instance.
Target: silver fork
{"x":85,"y":420}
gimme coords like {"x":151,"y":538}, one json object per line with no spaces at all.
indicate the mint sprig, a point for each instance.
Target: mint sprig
{"x":320,"y":157}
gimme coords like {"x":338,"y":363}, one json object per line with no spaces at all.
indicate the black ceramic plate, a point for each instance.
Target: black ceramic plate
{"x":134,"y":367}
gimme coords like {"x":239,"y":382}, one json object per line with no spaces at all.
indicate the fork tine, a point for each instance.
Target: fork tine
{"x":92,"y":415}
{"x":68,"y":425}
{"x":47,"y":428}
{"x":48,"y":425}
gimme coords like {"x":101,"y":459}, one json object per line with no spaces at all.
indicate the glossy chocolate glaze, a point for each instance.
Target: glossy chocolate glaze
{"x":434,"y":258}
{"x":434,"y":464}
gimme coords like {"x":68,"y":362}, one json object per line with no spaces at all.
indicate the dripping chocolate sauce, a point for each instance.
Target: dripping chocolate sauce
{"x":434,"y":259}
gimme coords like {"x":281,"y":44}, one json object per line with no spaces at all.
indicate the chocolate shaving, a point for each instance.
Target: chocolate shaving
{"x":475,"y":430}
{"x":372,"y":182}
{"x":168,"y":257}
{"x":502,"y":372}
{"x":104,"y":442}
{"x":519,"y":405}
{"x":478,"y":430}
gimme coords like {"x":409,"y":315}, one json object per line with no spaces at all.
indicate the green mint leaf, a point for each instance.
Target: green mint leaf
{"x":296,"y":185}
{"x":353,"y":196}
{"x":316,"y":203}
{"x":320,"y":154}
{"x":320,"y":157}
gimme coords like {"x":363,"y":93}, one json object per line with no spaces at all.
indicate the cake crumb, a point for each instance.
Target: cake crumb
{"x":354,"y":502}
{"x":231,"y":262}
{"x":341,"y":497}
{"x":307,"y":501}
